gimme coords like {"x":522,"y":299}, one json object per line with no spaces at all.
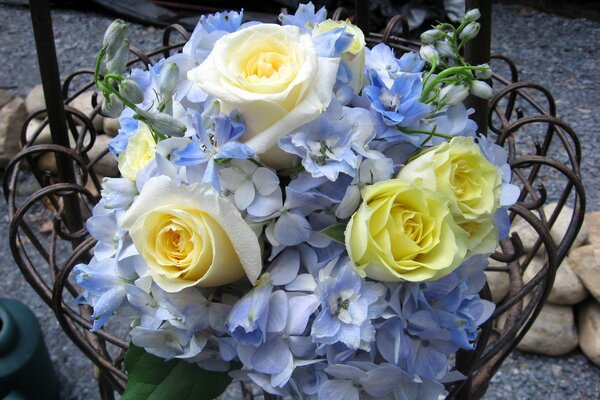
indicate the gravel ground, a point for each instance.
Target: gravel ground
{"x":558,"y":53}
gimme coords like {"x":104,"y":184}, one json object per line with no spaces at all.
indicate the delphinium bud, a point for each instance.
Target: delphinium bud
{"x":431,"y":36}
{"x":168,"y":79}
{"x":481,"y":89}
{"x":164,"y":124}
{"x":470,"y":31}
{"x":118,"y":63}
{"x":114,"y":37}
{"x":131,"y":91}
{"x":429,"y":54}
{"x":453,"y":94}
{"x":485,"y":72}
{"x":112,"y":106}
{"x":445,"y":49}
{"x":472,"y":15}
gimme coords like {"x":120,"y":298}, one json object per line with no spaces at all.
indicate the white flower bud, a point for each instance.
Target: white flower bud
{"x":431,"y":36}
{"x":485,"y":73}
{"x":470,"y":31}
{"x":164,"y":124}
{"x":112,"y":107}
{"x":131,"y":91}
{"x":168,"y":79}
{"x":429,"y":54}
{"x":445,"y":49}
{"x":114,"y":36}
{"x":472,"y":15}
{"x":118,"y":63}
{"x":481,"y":89}
{"x":453,"y":94}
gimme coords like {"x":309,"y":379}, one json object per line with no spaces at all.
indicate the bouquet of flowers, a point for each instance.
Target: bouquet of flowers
{"x":296,"y":210}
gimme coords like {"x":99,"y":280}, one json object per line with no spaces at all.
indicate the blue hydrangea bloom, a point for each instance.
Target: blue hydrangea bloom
{"x":347,"y":306}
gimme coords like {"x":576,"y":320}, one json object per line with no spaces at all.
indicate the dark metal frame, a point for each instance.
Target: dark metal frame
{"x":519,"y":110}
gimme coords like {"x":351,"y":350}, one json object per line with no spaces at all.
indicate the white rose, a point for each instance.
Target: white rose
{"x":273,"y":76}
{"x":191,"y":236}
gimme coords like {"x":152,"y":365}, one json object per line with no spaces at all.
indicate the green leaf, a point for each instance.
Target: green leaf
{"x":335,"y":232}
{"x":150,"y":377}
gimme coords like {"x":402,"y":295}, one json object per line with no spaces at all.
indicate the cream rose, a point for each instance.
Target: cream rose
{"x":140,"y":150}
{"x":403,"y":232}
{"x":191,"y":236}
{"x":273,"y":76}
{"x":460,"y":171}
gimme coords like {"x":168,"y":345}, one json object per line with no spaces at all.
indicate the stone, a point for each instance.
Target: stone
{"x":498,"y":282}
{"x":83,"y":103}
{"x":111,"y":126}
{"x":12,"y":118}
{"x":45,"y":137}
{"x":529,"y":235}
{"x":107,"y":165}
{"x":589,"y":331}
{"x":593,"y":223}
{"x":35,"y":101}
{"x":559,"y":229}
{"x":47,"y":162}
{"x":5,"y":98}
{"x":553,"y":333}
{"x":567,"y":289}
{"x":585,"y":261}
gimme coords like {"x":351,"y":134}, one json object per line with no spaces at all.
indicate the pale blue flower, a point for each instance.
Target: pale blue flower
{"x":305,"y":16}
{"x":228,"y":21}
{"x":253,"y":188}
{"x":381,"y":60}
{"x":398,"y":105}
{"x":216,"y":139}
{"x":332,"y":43}
{"x":247,"y":322}
{"x":325,"y":145}
{"x":347,"y":306}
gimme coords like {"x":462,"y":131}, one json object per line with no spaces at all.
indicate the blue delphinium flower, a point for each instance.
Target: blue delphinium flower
{"x":325,"y":144}
{"x":305,"y":16}
{"x":216,"y":138}
{"x":398,"y":105}
{"x":381,"y":60}
{"x":228,"y":21}
{"x":348,"y":303}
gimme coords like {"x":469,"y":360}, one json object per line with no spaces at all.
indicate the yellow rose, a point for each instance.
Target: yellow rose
{"x":355,"y":55}
{"x":273,"y":76}
{"x":403,"y":231}
{"x":459,"y":170}
{"x":140,"y":150}
{"x":191,"y":236}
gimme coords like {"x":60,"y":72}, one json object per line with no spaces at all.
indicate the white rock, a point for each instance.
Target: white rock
{"x":12,"y":117}
{"x":111,"y":126}
{"x":529,"y":235}
{"x":567,"y":289}
{"x":5,"y":98}
{"x":45,"y":137}
{"x":592,"y":220}
{"x":499,"y":282}
{"x":83,"y":103}
{"x":35,"y":101}
{"x":585,"y":261}
{"x":589,"y":331}
{"x":559,"y":229}
{"x":553,"y":333}
{"x":107,"y":166}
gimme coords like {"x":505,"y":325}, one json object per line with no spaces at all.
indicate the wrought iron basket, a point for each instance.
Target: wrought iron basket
{"x":544,"y":154}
